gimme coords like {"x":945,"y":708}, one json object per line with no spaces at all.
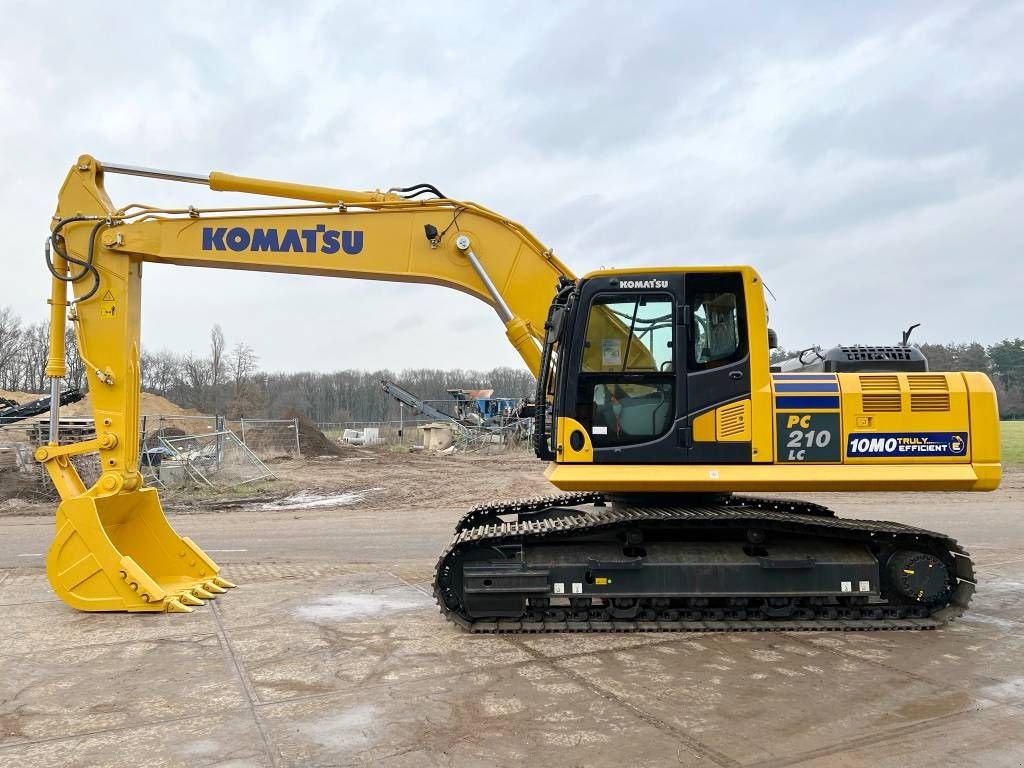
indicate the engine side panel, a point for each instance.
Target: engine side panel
{"x":837,"y":432}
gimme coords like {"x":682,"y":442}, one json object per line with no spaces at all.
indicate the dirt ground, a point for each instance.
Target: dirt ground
{"x":412,"y":479}
{"x":391,"y":479}
{"x":331,"y":652}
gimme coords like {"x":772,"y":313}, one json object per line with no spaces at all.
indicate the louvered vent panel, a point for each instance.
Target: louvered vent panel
{"x":880,"y":394}
{"x":881,"y":402}
{"x":929,"y":402}
{"x":879,"y":384}
{"x":928,"y":383}
{"x":732,"y":420}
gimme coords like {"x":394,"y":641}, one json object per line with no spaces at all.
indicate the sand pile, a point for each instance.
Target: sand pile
{"x":149,"y":405}
{"x":20,"y":397}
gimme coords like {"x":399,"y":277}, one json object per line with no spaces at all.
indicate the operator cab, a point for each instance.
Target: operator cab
{"x":640,"y":355}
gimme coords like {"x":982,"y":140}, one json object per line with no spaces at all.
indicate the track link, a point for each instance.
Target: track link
{"x":490,"y":514}
{"x":484,"y":527}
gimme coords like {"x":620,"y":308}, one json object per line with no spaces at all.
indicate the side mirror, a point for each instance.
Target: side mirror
{"x":773,"y":339}
{"x":554,"y":327}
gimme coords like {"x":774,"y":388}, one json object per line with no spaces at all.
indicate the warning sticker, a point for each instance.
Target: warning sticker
{"x":108,"y":306}
{"x":611,"y":353}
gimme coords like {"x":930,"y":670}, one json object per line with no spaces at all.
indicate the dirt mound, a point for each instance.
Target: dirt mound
{"x":268,"y":443}
{"x":274,"y":440}
{"x":313,"y":442}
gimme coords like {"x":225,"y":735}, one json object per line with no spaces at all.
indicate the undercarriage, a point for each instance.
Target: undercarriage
{"x":586,"y":562}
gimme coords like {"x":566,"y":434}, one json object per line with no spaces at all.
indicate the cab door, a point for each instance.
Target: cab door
{"x":717,"y":368}
{"x":650,"y":354}
{"x":622,"y":384}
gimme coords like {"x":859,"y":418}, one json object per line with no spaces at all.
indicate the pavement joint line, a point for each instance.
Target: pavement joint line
{"x":1016,"y":704}
{"x":410,"y":584}
{"x":389,"y":684}
{"x":115,"y":729}
{"x":967,"y":617}
{"x":868,"y":738}
{"x":921,"y":678}
{"x":699,"y":749}
{"x":983,"y":566}
{"x":198,"y":636}
{"x":510,"y":665}
{"x":250,"y":694}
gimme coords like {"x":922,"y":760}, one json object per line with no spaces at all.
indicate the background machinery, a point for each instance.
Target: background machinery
{"x":660,"y":409}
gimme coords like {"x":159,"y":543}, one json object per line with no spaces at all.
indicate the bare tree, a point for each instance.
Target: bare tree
{"x":218,"y":369}
{"x":35,"y":351}
{"x":74,"y":378}
{"x":196,"y":374}
{"x":218,"y":361}
{"x":243,"y":365}
{"x":161,"y":371}
{"x":10,"y":348}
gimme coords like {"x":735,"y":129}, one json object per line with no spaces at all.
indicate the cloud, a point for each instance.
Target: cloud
{"x":865,"y":157}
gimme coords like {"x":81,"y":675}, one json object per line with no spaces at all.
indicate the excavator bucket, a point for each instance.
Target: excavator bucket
{"x":119,"y":553}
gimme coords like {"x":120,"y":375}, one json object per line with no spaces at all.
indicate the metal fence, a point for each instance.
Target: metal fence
{"x":404,"y":432}
{"x":513,"y":433}
{"x":272,"y":438}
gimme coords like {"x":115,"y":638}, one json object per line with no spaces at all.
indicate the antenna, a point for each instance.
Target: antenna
{"x":906,"y":333}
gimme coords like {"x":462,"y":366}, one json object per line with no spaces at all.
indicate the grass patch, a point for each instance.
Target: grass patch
{"x":1013,"y":441}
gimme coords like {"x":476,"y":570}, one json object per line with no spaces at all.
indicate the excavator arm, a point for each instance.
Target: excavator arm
{"x":114,"y":549}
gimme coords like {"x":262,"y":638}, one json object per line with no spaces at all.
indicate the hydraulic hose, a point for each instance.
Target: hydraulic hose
{"x":87,"y":266}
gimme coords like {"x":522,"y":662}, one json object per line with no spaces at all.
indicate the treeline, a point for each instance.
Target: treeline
{"x":228,"y":381}
{"x":227,"y":378}
{"x":24,"y":351}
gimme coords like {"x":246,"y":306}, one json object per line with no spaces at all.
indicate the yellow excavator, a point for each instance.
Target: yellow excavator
{"x":657,"y":412}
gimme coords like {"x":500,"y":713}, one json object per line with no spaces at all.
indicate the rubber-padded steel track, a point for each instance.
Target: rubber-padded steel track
{"x":565,"y":518}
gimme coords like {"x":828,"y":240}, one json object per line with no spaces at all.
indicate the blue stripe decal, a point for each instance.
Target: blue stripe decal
{"x":796,"y":402}
{"x":804,"y":377}
{"x":807,"y":386}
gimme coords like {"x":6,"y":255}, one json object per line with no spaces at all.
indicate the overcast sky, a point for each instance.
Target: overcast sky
{"x":867,"y":158}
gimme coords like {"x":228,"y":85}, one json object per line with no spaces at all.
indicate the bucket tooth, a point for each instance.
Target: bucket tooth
{"x":224,"y":583}
{"x":189,"y":599}
{"x":214,"y":588}
{"x":176,"y":606}
{"x":200,"y":592}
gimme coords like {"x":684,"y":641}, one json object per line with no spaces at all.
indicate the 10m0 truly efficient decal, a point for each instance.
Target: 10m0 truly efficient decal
{"x":906,"y":444}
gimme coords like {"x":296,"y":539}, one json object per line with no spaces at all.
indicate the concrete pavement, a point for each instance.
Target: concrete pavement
{"x":332,"y":653}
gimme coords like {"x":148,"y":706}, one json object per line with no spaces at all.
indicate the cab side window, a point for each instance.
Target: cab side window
{"x":717,"y":320}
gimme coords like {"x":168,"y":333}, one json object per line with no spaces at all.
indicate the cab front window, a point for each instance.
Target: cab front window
{"x":626,"y":384}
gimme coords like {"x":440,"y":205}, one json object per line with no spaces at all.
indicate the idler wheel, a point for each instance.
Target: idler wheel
{"x":919,"y":577}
